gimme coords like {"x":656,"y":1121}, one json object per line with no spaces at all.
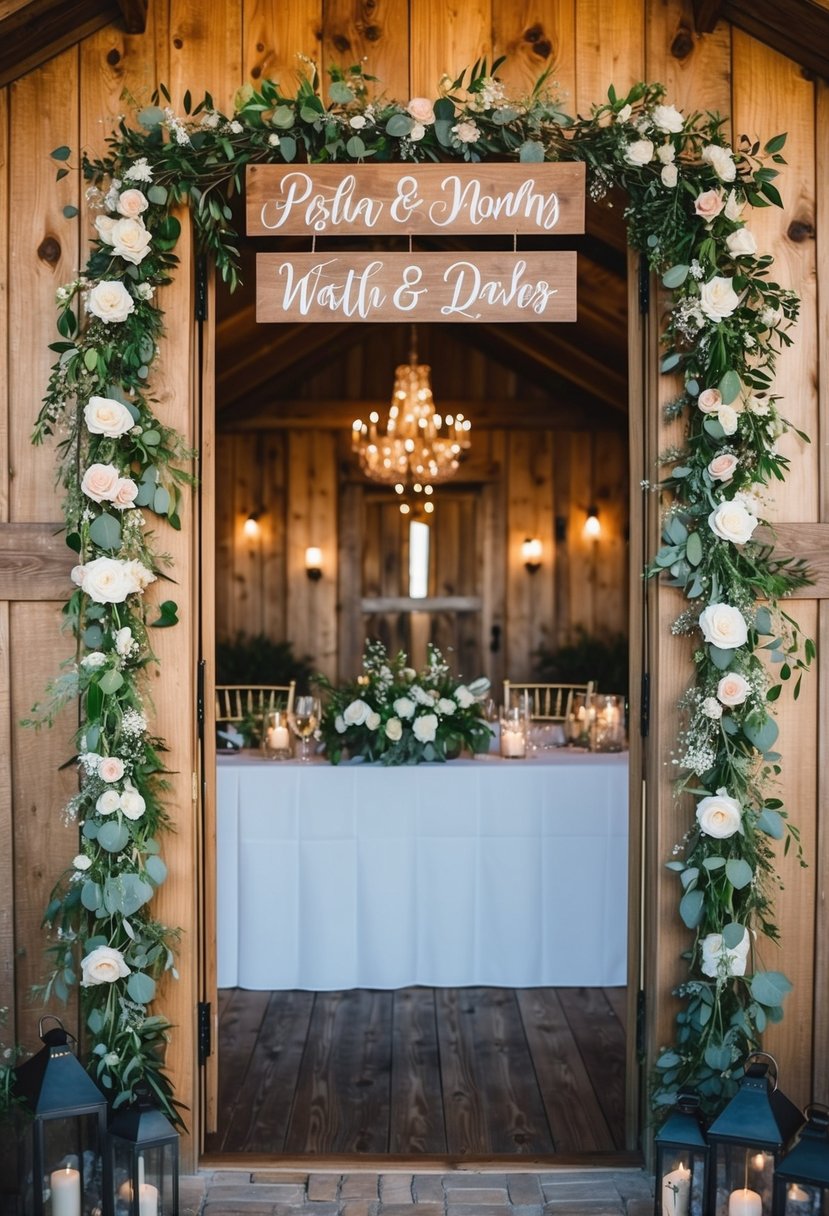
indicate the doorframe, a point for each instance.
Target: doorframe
{"x":643,"y":866}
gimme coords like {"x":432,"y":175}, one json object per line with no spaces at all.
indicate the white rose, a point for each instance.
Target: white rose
{"x":123,"y":641}
{"x":103,"y":966}
{"x":131,"y":240}
{"x":732,"y":521}
{"x":640,"y":152}
{"x":104,"y":225}
{"x":421,"y":110}
{"x":717,"y":298}
{"x":733,"y":688}
{"x":99,"y":482}
{"x":667,"y":118}
{"x":110,"y":769}
{"x":718,"y":961}
{"x":138,"y":575}
{"x":339,"y":725}
{"x":132,"y":203}
{"x":728,"y":419}
{"x":356,"y":713}
{"x":409,"y":674}
{"x":666,"y":153}
{"x":722,"y":467}
{"x":733,"y":206}
{"x":94,"y":660}
{"x":466,"y":132}
{"x":394,"y":729}
{"x":132,"y":804}
{"x":76,"y":575}
{"x":721,"y":161}
{"x":404,"y":707}
{"x":741,"y":244}
{"x":106,"y":416}
{"x":723,"y":626}
{"x":421,"y":696}
{"x":417,"y":132}
{"x":445,"y":706}
{"x":126,"y":492}
{"x":709,"y":400}
{"x":719,"y":815}
{"x":109,"y":300}
{"x":357,"y":121}
{"x":464,"y":697}
{"x":669,"y":176}
{"x":373,"y":720}
{"x":107,"y":581}
{"x":425,"y":727}
{"x":108,"y":803}
{"x":712,"y":708}
{"x":82,"y":862}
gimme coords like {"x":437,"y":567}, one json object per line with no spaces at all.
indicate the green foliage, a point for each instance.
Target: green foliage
{"x":602,"y":659}
{"x":258,"y":659}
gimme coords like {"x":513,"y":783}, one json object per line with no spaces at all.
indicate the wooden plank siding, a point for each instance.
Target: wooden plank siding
{"x":216,"y":46}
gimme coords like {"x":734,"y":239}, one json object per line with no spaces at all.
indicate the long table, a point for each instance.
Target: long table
{"x":477,"y":872}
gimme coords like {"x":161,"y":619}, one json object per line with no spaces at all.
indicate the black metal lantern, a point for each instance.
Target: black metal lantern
{"x":62,"y":1144}
{"x":142,"y":1157}
{"x":681,"y":1161}
{"x":746,"y":1141}
{"x":801,"y":1180}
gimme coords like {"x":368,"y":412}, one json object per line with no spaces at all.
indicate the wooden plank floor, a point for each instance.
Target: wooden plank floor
{"x":419,"y":1071}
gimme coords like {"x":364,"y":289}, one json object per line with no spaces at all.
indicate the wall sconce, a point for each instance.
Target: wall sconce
{"x":531,"y":554}
{"x":251,"y":527}
{"x":592,"y":527}
{"x":313,"y":563}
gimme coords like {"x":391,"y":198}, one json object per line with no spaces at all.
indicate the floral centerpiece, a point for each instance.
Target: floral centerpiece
{"x":397,"y":715}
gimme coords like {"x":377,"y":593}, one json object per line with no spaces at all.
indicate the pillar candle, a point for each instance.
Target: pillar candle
{"x":676,"y":1192}
{"x":66,"y":1192}
{"x":745,"y":1203}
{"x":278,"y":739}
{"x":147,"y":1200}
{"x":513,"y":746}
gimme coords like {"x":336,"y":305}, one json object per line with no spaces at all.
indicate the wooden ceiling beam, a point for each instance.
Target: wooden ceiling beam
{"x":798,"y":29}
{"x":34,"y":33}
{"x":134,"y":14}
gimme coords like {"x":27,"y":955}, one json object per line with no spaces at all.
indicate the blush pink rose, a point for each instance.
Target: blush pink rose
{"x":709,"y":204}
{"x":722,"y":467}
{"x":126,"y":492}
{"x":421,"y":110}
{"x":110,"y":768}
{"x":132,"y":203}
{"x":100,"y":482}
{"x":710,"y":400}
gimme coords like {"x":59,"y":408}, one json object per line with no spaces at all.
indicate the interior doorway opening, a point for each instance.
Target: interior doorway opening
{"x":547,"y":450}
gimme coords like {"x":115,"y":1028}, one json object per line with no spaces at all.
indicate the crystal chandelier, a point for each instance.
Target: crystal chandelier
{"x":416,"y":447}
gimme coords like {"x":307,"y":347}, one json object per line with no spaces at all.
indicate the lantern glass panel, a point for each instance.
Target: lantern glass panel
{"x":681,"y":1172}
{"x":804,"y":1200}
{"x":65,"y":1152}
{"x":743,"y":1180}
{"x":145,"y":1178}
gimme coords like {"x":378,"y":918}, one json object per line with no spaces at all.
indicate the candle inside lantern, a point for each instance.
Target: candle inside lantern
{"x":745,"y":1202}
{"x":66,"y":1192}
{"x":279,"y":739}
{"x":147,"y":1199}
{"x":513,"y":744}
{"x":676,"y":1192}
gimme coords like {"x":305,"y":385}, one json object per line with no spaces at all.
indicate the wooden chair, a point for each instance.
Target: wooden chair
{"x":548,"y":702}
{"x":235,"y":702}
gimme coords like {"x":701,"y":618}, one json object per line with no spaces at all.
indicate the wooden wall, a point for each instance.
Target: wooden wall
{"x":216,"y":44}
{"x":526,"y":478}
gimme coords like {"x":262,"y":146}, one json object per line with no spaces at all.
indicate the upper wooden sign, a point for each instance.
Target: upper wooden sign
{"x":494,"y":197}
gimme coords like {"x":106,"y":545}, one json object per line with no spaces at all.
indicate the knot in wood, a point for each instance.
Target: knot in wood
{"x":683,"y":43}
{"x":543,"y":48}
{"x":256,"y":71}
{"x":373,"y":33}
{"x":113,"y":57}
{"x":341,"y":43}
{"x":178,"y":43}
{"x":800,"y":230}
{"x":49,"y":250}
{"x":533,"y":33}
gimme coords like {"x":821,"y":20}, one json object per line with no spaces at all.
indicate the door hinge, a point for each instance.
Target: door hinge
{"x":644,"y":286}
{"x":640,"y":1024}
{"x":205,"y":1044}
{"x":645,"y":710}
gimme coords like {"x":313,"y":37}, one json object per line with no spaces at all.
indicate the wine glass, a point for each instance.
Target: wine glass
{"x":304,"y":719}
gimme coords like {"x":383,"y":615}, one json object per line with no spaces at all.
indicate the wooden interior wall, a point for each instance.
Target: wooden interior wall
{"x":216,"y":44}
{"x":262,"y":588}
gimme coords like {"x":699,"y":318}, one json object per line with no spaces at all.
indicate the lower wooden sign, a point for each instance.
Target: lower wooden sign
{"x":331,"y":286}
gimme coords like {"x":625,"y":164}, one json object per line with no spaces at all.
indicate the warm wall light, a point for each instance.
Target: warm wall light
{"x":313,"y":562}
{"x":251,"y":527}
{"x":531,"y":552}
{"x":592,"y":527}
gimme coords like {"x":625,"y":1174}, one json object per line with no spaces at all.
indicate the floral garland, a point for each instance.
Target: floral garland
{"x":687,"y":193}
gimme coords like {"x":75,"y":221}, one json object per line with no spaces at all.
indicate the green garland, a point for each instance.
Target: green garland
{"x":686,"y":196}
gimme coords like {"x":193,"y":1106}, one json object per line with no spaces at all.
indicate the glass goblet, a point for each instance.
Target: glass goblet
{"x":304,"y":719}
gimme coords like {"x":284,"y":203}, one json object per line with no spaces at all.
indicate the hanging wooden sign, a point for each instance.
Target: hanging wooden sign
{"x":489,"y":198}
{"x":529,"y":286}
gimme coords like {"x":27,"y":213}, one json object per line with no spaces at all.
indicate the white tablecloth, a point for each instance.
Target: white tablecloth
{"x":487,"y":871}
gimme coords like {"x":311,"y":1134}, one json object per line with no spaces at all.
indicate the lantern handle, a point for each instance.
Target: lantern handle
{"x":816,"y":1108}
{"x":764,"y":1055}
{"x":54,"y":1018}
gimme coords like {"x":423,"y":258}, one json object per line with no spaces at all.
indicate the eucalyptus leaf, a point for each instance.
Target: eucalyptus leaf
{"x":283,"y":117}
{"x":762,"y":732}
{"x":730,"y":387}
{"x":762,"y":621}
{"x":91,"y":896}
{"x":287,"y":146}
{"x":713,"y":863}
{"x":355,"y":147}
{"x":720,"y":658}
{"x":105,"y":532}
{"x":733,"y":934}
{"x":399,"y":125}
{"x":150,"y":117}
{"x":151,"y":438}
{"x":712,"y":427}
{"x":92,"y":636}
{"x":161,"y":500}
{"x":340,"y":93}
{"x":111,"y":681}
{"x":89,"y":831}
{"x":141,"y":987}
{"x":443,"y":131}
{"x":738,"y":872}
{"x":112,"y":836}
{"x":770,"y":988}
{"x":531,"y":152}
{"x":675,"y":276}
{"x":693,"y":549}
{"x":157,"y":195}
{"x":691,"y":907}
{"x":156,"y":869}
{"x":771,"y":823}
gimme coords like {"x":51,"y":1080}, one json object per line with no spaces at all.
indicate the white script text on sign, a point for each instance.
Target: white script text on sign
{"x":416,"y":287}
{"x":484,"y":198}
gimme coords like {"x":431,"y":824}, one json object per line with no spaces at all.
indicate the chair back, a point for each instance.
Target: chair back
{"x":235,"y":702}
{"x":547,"y":702}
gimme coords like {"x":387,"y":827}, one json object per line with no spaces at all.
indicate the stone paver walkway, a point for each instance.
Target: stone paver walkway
{"x":274,"y":1192}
